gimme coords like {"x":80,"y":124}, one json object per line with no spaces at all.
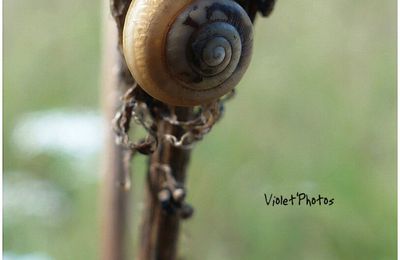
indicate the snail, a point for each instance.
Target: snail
{"x":187,"y":52}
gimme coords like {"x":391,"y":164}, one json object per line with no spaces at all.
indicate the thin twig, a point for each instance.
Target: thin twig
{"x":116,"y":198}
{"x":160,"y":229}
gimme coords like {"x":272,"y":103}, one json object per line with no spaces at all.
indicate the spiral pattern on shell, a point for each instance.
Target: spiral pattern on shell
{"x":187,"y":52}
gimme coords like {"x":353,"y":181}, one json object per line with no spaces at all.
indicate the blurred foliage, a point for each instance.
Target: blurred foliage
{"x":315,"y":113}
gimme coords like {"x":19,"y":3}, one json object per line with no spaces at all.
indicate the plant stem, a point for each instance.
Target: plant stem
{"x":116,"y":201}
{"x":159,"y":230}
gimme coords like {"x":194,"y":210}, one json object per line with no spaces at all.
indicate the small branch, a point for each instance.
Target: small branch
{"x":160,"y":230}
{"x":116,"y":201}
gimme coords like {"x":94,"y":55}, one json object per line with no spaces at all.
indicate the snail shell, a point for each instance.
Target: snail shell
{"x":187,"y":52}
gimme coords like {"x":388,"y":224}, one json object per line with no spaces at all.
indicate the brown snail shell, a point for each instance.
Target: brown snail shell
{"x":187,"y":52}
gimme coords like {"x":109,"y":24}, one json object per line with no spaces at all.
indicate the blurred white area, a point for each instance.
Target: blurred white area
{"x":25,"y":197}
{"x":74,"y":133}
{"x":31,"y":256}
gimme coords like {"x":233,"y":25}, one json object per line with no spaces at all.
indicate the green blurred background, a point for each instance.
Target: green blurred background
{"x":315,"y":113}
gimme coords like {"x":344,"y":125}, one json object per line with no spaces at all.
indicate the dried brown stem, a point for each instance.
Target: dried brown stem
{"x":116,"y":200}
{"x":160,"y":230}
